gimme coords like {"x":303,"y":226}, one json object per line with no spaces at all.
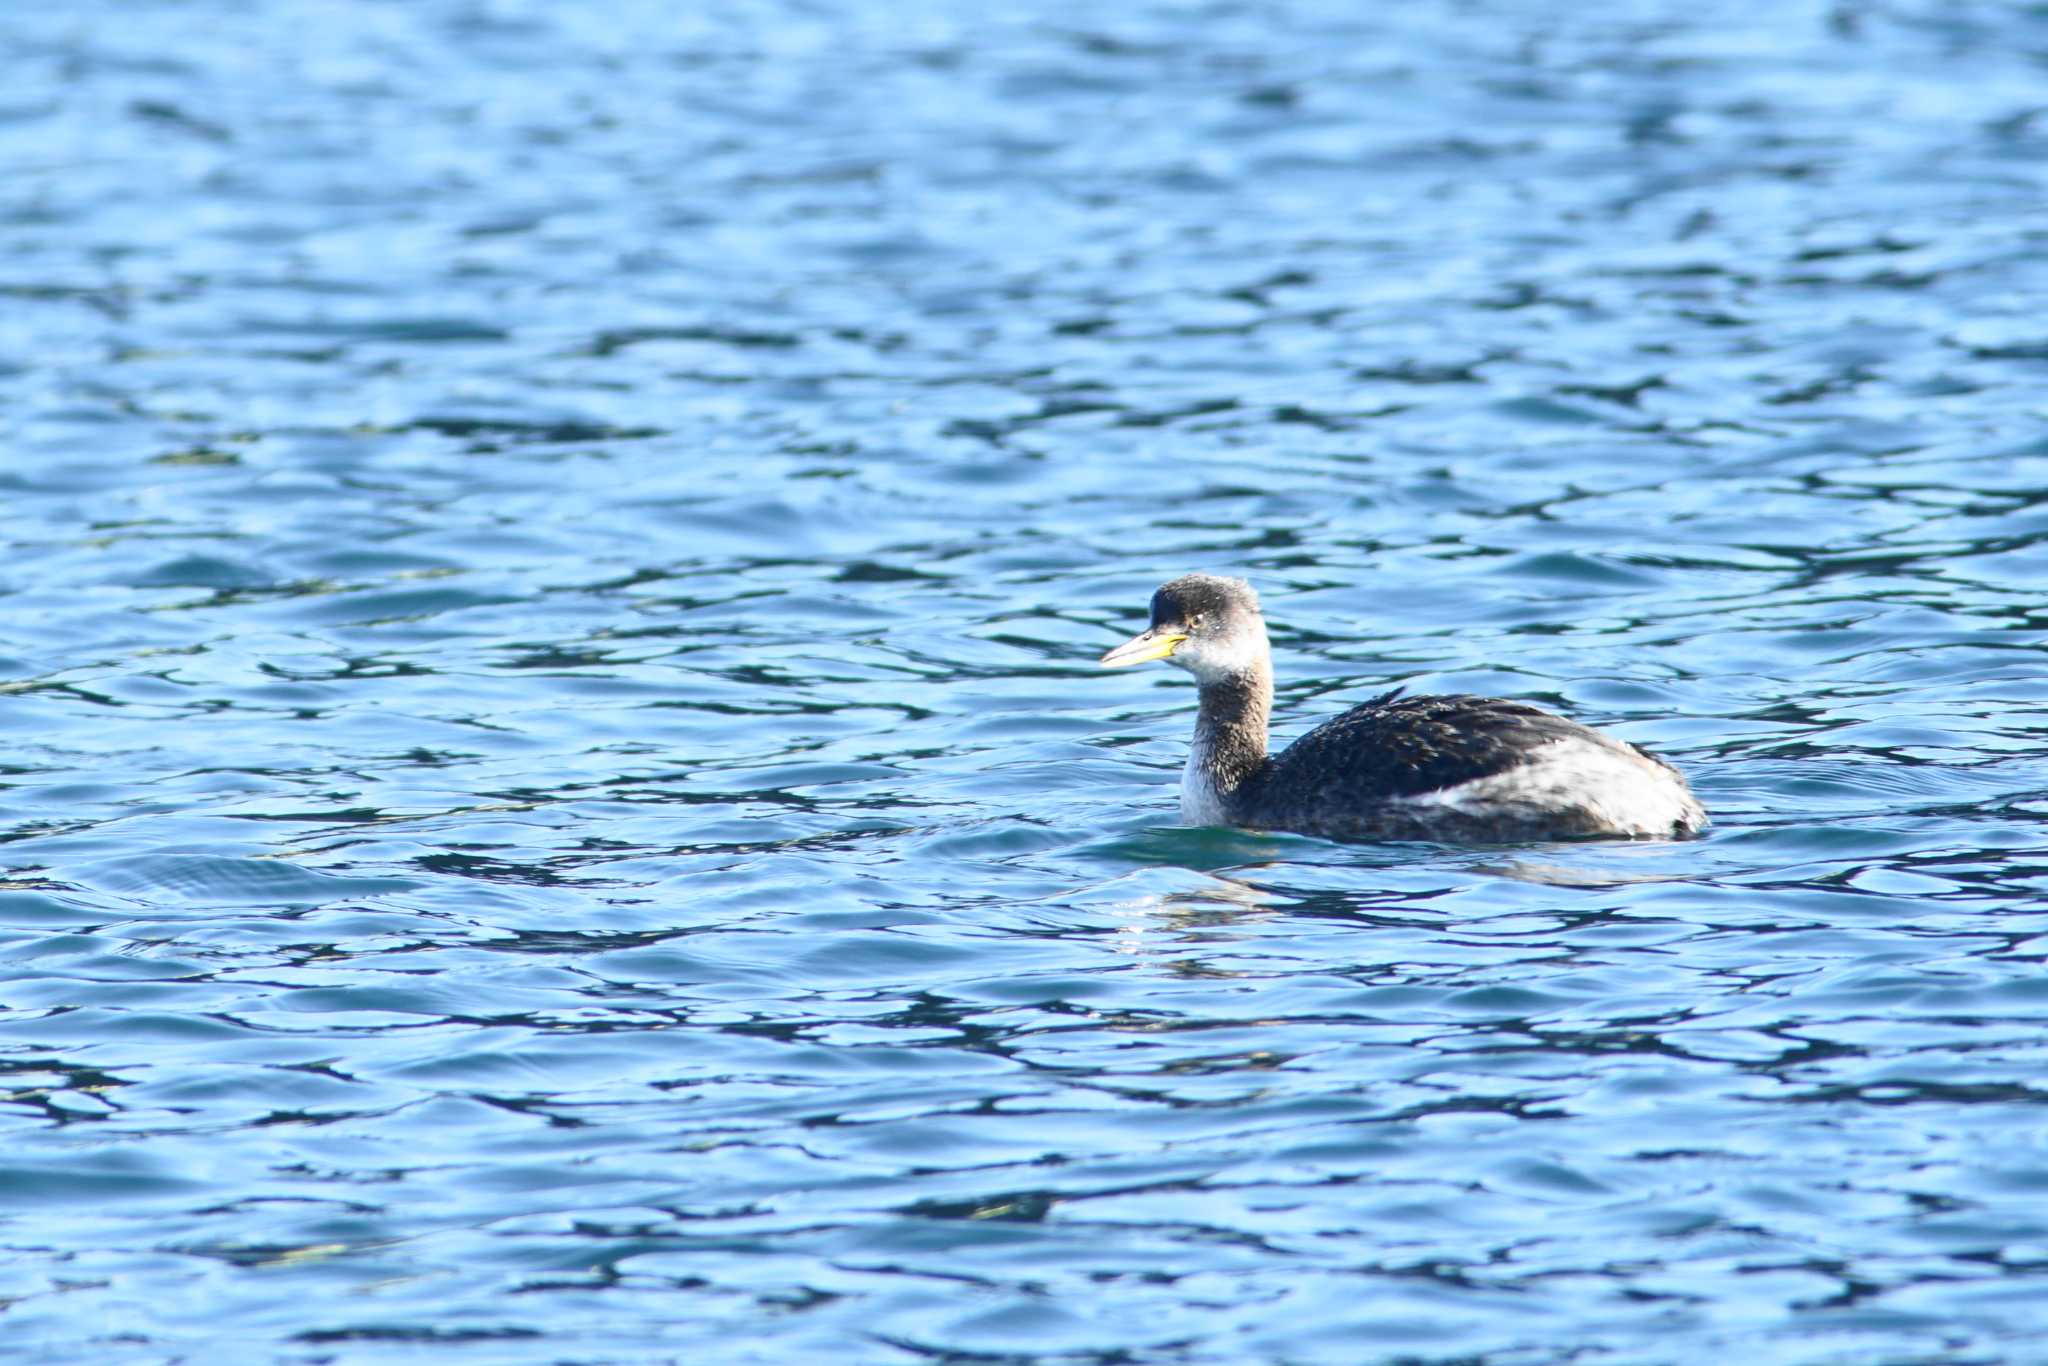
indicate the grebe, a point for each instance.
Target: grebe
{"x":1454,"y":768}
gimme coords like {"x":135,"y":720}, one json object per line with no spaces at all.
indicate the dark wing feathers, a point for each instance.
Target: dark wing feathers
{"x":1396,"y":746}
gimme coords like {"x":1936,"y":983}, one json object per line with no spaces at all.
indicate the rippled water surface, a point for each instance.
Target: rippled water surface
{"x":557,"y":802}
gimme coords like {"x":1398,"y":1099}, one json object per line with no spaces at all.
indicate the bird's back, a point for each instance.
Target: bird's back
{"x":1462,"y":768}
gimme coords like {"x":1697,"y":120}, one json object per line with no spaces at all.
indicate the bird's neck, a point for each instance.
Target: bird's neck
{"x":1230,"y":745}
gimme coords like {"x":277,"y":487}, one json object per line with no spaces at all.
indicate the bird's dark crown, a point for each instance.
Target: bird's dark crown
{"x":1202,"y":599}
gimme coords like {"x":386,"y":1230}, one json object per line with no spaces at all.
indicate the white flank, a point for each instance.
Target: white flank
{"x":1628,"y":793}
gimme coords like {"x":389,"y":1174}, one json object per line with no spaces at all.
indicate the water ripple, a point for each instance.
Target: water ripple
{"x":557,"y":799}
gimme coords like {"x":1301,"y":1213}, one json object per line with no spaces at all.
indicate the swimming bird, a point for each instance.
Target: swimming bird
{"x":1451,"y":768}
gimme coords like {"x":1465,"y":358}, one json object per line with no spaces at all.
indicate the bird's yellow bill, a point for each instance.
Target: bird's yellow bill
{"x":1144,"y":647}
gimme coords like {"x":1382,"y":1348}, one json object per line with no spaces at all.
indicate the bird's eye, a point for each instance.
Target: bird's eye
{"x":1196,"y":621}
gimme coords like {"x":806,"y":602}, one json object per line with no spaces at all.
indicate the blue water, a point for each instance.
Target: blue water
{"x":557,"y":803}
